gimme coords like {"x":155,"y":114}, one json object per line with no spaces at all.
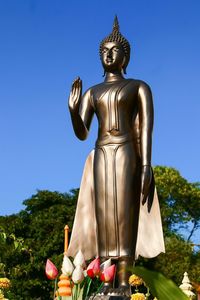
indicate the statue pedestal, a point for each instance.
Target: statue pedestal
{"x":110,"y":293}
{"x":109,"y":297}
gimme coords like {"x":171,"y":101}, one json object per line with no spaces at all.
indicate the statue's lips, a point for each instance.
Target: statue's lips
{"x":109,"y":60}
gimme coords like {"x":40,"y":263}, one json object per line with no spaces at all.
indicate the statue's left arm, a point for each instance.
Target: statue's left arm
{"x":146,"y":117}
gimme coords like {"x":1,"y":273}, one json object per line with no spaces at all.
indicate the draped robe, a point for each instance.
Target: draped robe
{"x":110,"y":221}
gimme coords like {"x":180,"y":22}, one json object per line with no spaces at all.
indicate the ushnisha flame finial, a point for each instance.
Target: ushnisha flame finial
{"x":116,"y":36}
{"x":116,"y":24}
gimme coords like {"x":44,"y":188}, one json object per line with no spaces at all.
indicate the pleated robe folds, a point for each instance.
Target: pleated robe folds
{"x":84,"y":235}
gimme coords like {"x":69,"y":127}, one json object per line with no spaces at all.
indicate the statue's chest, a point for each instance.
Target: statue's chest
{"x":116,"y":98}
{"x":115,"y":104}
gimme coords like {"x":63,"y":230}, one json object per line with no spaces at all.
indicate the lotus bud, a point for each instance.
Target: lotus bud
{"x":51,"y":270}
{"x":94,"y":268}
{"x":79,"y":259}
{"x":105,"y":264}
{"x":108,"y":274}
{"x":67,"y":266}
{"x":78,"y":275}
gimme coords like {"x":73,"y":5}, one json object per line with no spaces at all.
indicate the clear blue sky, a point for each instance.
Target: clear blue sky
{"x":45,"y":44}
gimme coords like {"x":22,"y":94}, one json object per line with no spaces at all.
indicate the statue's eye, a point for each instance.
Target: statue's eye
{"x":116,"y":49}
{"x":104,"y":50}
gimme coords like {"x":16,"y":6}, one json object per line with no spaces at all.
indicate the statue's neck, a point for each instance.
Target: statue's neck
{"x":113,"y":76}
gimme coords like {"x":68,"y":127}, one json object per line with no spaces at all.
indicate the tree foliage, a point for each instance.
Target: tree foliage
{"x":179,"y":201}
{"x":179,"y":258}
{"x":41,"y":226}
{"x":180,"y":212}
{"x":38,"y":230}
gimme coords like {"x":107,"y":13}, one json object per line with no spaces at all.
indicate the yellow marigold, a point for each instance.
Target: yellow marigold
{"x":134,"y":280}
{"x":4,"y":283}
{"x":138,"y":296}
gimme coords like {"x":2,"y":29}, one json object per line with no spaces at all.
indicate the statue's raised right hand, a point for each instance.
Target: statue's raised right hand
{"x":75,"y":94}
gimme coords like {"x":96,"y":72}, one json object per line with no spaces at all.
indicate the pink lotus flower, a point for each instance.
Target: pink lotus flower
{"x":51,"y":270}
{"x":108,"y":274}
{"x":94,"y":268}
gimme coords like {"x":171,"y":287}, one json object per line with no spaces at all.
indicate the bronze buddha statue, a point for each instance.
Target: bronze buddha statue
{"x":118,"y":175}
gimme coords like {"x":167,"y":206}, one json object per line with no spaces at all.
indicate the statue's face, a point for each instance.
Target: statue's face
{"x":112,"y":57}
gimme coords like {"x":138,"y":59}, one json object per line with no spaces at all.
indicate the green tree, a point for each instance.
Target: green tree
{"x":41,"y":226}
{"x":179,"y":201}
{"x":180,"y":211}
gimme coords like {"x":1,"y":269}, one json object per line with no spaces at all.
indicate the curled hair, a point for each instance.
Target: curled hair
{"x":116,"y":36}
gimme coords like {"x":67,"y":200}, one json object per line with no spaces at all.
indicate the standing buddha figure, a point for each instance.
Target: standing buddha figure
{"x":117,"y":178}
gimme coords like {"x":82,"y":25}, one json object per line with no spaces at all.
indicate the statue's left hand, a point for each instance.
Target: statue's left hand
{"x":146,"y":178}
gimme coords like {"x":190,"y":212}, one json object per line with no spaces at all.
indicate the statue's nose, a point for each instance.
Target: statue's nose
{"x":109,"y":54}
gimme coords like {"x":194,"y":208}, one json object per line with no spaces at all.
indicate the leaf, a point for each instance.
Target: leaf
{"x":3,"y":237}
{"x":16,"y":244}
{"x":12,"y":236}
{"x":161,"y":287}
{"x":87,"y":286}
